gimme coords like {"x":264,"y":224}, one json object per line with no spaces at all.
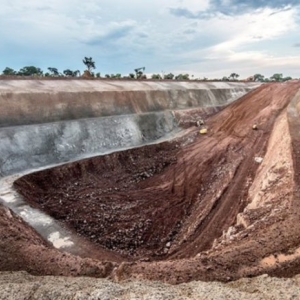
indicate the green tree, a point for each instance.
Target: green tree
{"x":98,"y":75}
{"x":287,"y":78}
{"x":30,"y":71}
{"x":156,"y":76}
{"x":70,"y":73}
{"x":277,"y":77}
{"x":115,"y":76}
{"x":139,"y":73}
{"x":53,"y":71}
{"x":258,"y":77}
{"x":225,"y":78}
{"x":9,"y":71}
{"x":169,"y":76}
{"x":234,"y":76}
{"x":90,"y":64}
{"x":182,"y":77}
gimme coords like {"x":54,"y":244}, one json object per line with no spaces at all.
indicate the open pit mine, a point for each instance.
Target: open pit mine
{"x":193,"y":184}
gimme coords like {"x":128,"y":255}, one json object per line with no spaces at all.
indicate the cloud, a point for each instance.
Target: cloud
{"x":114,"y":33}
{"x":205,"y":37}
{"x":281,"y":10}
{"x":256,"y":27}
{"x":241,"y":6}
{"x":255,"y":48}
{"x":189,"y":31}
{"x":186,"y":13}
{"x":232,"y":7}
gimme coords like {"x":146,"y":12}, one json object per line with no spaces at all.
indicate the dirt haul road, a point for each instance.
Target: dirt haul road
{"x":218,"y":206}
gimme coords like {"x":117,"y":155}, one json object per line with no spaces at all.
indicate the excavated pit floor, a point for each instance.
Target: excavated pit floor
{"x":218,"y":206}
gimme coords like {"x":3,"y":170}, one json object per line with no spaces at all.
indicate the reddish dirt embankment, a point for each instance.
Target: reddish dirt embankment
{"x":175,"y":204}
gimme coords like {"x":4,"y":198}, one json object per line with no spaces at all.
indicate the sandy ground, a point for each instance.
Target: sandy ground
{"x":219,"y":206}
{"x":22,"y":286}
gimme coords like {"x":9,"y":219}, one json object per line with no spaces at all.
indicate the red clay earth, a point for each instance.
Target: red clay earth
{"x":163,"y":209}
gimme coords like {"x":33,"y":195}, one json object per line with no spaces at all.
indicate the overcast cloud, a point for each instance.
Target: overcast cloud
{"x":210,"y":38}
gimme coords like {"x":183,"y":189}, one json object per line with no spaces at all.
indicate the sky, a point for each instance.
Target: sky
{"x":205,"y":38}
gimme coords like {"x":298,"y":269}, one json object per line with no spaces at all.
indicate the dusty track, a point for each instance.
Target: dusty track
{"x":174,"y":200}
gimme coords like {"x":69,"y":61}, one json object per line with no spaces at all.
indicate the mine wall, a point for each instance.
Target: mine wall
{"x":50,"y":122}
{"x":33,"y":102}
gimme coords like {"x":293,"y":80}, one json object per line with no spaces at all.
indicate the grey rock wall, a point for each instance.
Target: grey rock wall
{"x":50,"y":122}
{"x":35,"y":146}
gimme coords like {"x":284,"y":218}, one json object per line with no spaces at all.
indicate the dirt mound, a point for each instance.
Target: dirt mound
{"x":198,"y":207}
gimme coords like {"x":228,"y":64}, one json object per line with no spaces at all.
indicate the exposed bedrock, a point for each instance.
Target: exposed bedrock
{"x":50,"y":122}
{"x":34,"y":146}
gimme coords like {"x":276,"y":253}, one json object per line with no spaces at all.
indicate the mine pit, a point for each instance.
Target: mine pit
{"x":110,"y":199}
{"x":192,"y":206}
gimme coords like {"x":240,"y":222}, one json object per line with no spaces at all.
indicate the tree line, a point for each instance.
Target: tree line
{"x":137,"y":74}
